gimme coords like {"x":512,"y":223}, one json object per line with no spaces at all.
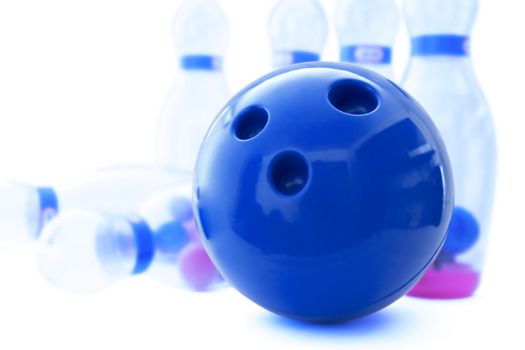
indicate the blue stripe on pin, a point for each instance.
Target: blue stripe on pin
{"x":366,"y":54}
{"x":48,"y":198}
{"x":304,"y":56}
{"x":201,"y":62}
{"x":48,"y":201}
{"x":441,"y":45}
{"x":286,"y":58}
{"x":145,"y":246}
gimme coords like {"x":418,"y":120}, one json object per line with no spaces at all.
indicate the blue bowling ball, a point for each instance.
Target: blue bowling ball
{"x":323,"y":192}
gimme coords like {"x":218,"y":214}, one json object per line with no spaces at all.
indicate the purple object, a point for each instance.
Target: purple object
{"x":450,"y":281}
{"x":196,"y":268}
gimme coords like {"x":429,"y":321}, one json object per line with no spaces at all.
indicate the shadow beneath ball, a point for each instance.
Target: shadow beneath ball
{"x":384,"y":321}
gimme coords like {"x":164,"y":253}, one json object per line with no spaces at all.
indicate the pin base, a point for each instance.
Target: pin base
{"x":450,"y":281}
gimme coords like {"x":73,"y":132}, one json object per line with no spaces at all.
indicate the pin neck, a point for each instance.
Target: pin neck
{"x":145,"y":246}
{"x":285,"y":58}
{"x":201,"y":62}
{"x":171,"y":237}
{"x":441,"y":45}
{"x":48,"y":201}
{"x":366,"y":54}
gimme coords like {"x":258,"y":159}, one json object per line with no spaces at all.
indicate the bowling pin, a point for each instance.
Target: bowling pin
{"x":86,"y":251}
{"x":366,"y":31}
{"x":201,"y":33}
{"x":441,"y":77}
{"x":297,"y":31}
{"x":24,"y":209}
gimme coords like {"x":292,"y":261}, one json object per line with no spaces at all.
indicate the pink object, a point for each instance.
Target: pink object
{"x":196,"y":268}
{"x":449,"y":281}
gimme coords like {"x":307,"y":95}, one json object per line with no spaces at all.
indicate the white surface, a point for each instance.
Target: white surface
{"x":81,"y":85}
{"x":141,"y":314}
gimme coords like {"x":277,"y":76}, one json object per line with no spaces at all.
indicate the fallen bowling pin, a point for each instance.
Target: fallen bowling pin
{"x":87,"y":251}
{"x":25,"y":209}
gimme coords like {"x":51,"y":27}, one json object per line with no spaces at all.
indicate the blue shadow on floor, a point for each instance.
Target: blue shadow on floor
{"x":390,"y":321}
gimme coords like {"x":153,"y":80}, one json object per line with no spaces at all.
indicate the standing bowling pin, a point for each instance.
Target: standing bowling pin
{"x":297,"y":30}
{"x":366,"y":31}
{"x":441,"y":77}
{"x":86,"y":251}
{"x":200,"y":32}
{"x":24,"y":209}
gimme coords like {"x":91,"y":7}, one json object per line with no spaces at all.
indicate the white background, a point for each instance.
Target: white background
{"x":81,"y":85}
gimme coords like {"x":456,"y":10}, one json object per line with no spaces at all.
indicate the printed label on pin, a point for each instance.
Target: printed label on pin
{"x":369,"y":54}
